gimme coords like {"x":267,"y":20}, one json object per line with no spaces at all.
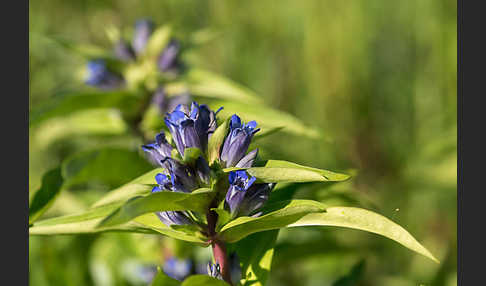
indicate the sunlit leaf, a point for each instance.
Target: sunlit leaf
{"x":85,"y":222}
{"x":362,"y":219}
{"x":203,"y":280}
{"x":330,"y":176}
{"x":160,"y":201}
{"x":152,"y":222}
{"x":161,"y":279}
{"x":287,"y":213}
{"x":286,"y":172}
{"x":255,"y":253}
{"x":216,"y":140}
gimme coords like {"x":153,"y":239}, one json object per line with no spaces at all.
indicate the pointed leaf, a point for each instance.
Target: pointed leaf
{"x":85,"y":222}
{"x":216,"y":140}
{"x":203,"y":280}
{"x":328,"y":175}
{"x":151,"y":221}
{"x":160,"y":201}
{"x":255,"y":253}
{"x":43,"y":198}
{"x":161,"y":279}
{"x":362,"y":219}
{"x":287,"y":213}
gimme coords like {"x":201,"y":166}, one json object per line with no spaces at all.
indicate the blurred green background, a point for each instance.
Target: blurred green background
{"x":377,"y":77}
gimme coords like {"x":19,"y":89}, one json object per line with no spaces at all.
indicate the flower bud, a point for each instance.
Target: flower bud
{"x":237,"y":142}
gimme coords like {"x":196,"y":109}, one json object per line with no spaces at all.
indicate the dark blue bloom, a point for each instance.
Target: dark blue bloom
{"x":237,"y":142}
{"x":244,"y":196}
{"x":214,"y":270}
{"x":166,"y":184}
{"x":191,"y":128}
{"x":143,"y":30}
{"x":178,"y":268}
{"x":168,"y":58}
{"x":159,"y":150}
{"x":100,"y":77}
{"x":123,"y":51}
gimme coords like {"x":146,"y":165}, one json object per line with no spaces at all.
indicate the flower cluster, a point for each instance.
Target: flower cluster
{"x":192,"y":128}
{"x":102,"y":76}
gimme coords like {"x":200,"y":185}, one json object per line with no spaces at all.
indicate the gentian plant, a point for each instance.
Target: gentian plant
{"x":210,"y":189}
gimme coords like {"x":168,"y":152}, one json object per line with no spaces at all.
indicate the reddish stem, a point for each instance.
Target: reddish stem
{"x":219,"y":248}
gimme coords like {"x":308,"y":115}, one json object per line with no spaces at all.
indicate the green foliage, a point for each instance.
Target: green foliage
{"x":203,"y":280}
{"x":160,"y":201}
{"x":393,"y":129}
{"x":161,"y":279}
{"x":216,"y":141}
{"x":45,"y":196}
{"x":110,"y":166}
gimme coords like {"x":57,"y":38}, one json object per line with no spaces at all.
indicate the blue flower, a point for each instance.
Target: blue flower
{"x":244,"y":196}
{"x":214,"y":270}
{"x":100,"y":77}
{"x":191,"y":129}
{"x":237,"y":142}
{"x":168,"y":58}
{"x":178,"y":268}
{"x":166,"y":184}
{"x":159,"y":150}
{"x":143,"y":30}
{"x":123,"y":51}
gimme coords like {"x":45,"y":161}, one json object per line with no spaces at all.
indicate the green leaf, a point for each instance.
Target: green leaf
{"x":152,"y":222}
{"x":207,"y":84}
{"x":109,"y":166}
{"x":362,"y":219}
{"x":286,"y":172}
{"x":353,"y":277}
{"x":139,"y":186}
{"x":328,"y":175}
{"x":255,"y":253}
{"x":73,"y":102}
{"x":43,"y":198}
{"x":203,"y":280}
{"x":216,"y":141}
{"x":161,"y":279}
{"x":307,"y":213}
{"x":223,"y":218}
{"x":100,"y":121}
{"x":157,"y":42}
{"x":84,"y":50}
{"x":160,"y":201}
{"x":84,"y":222}
{"x":191,"y":154}
{"x":287,"y":213}
{"x":267,"y":118}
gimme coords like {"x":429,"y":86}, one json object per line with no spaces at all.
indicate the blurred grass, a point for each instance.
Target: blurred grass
{"x":378,"y":77}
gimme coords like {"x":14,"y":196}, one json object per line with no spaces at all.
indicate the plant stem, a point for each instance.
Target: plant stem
{"x":219,"y":248}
